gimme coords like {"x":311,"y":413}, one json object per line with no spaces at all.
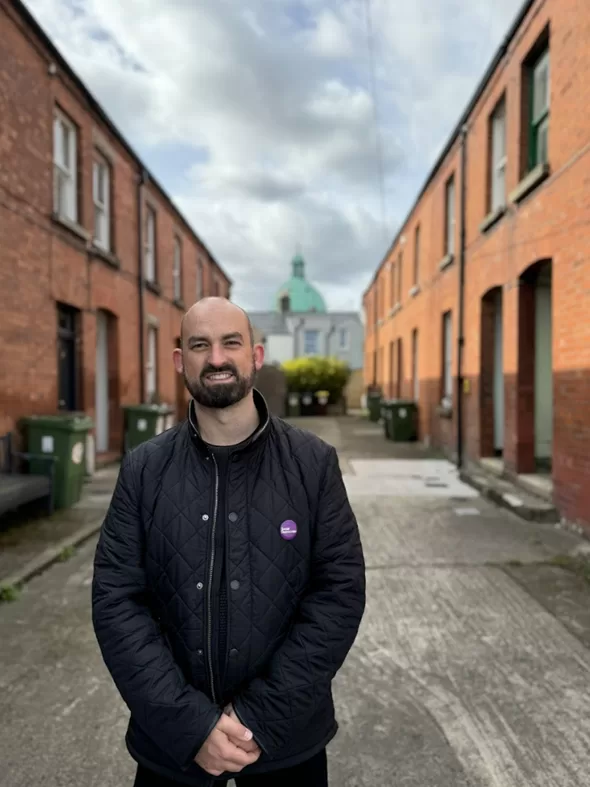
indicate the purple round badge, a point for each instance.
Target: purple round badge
{"x":288,"y":529}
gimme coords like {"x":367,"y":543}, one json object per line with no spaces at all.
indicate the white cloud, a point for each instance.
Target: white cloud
{"x":276,"y":94}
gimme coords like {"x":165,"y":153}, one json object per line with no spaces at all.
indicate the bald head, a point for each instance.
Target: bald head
{"x":215,"y":310}
{"x":218,"y":358}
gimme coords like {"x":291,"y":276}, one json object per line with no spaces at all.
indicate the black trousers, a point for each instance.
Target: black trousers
{"x":313,"y":773}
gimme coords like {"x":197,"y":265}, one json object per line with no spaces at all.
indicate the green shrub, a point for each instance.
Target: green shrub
{"x":311,"y":375}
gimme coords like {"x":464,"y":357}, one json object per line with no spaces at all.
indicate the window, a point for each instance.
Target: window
{"x":199,"y":279}
{"x":447,"y":373}
{"x":392,"y":284}
{"x":101,"y":194}
{"x":497,"y":196}
{"x":65,"y":175}
{"x":177,"y":270}
{"x":450,"y":216}
{"x":399,"y":276}
{"x":415,"y":374}
{"x":311,"y":342}
{"x":343,"y":338}
{"x":417,"y":255}
{"x":150,"y":245}
{"x":539,"y":104}
{"x":151,"y":383}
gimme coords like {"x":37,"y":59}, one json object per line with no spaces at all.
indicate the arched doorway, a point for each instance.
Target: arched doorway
{"x":106,"y":398}
{"x":492,"y":394}
{"x":535,"y":370}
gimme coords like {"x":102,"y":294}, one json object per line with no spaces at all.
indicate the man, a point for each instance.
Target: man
{"x":229,"y":579}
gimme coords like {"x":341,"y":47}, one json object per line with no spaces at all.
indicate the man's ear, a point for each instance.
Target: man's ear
{"x":178,"y":360}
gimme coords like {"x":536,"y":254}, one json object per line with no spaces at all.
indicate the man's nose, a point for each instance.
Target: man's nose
{"x":217,"y":356}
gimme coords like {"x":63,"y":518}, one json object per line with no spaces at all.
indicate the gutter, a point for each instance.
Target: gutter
{"x":461,"y":330}
{"x":497,"y":59}
{"x":141,"y":181}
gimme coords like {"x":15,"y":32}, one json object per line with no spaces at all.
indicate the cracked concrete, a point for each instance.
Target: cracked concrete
{"x":471,"y":668}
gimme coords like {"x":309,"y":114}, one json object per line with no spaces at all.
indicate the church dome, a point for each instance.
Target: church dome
{"x":297,"y":294}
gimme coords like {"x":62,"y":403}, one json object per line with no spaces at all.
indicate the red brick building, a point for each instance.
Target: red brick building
{"x":481,"y":308}
{"x":96,"y":264}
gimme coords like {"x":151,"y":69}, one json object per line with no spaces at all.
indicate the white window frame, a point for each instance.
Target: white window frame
{"x":343,"y":332}
{"x":306,"y":334}
{"x":540,"y":112}
{"x":199,"y":287}
{"x":149,"y":252}
{"x":498,"y":157}
{"x":177,"y":269}
{"x":151,"y":369}
{"x":65,"y":167}
{"x":450,"y":220}
{"x":102,"y":204}
{"x":447,"y":389}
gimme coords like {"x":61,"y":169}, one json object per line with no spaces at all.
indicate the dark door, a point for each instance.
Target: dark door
{"x":66,"y":358}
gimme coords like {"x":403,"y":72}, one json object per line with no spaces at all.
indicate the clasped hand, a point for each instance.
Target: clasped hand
{"x":229,"y":747}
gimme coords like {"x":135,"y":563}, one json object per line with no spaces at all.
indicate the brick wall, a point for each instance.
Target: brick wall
{"x":551,"y":223}
{"x":43,"y":261}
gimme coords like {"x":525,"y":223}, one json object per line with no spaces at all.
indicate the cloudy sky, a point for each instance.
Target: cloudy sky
{"x":258,"y":116}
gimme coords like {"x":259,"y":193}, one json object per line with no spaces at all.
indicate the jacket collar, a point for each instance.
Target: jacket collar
{"x":255,"y":439}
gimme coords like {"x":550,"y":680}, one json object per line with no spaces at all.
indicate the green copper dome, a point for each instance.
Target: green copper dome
{"x":297,"y":294}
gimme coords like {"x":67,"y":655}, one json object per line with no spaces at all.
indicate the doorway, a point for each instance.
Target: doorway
{"x":102,"y":382}
{"x":491,"y":375}
{"x":535,"y":370}
{"x":68,"y":321}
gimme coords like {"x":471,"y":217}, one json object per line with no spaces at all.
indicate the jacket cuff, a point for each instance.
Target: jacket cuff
{"x":191,"y":760}
{"x":239,"y":711}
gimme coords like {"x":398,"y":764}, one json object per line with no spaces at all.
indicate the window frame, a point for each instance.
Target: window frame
{"x":63,"y":172}
{"x":177,"y":269}
{"x":497,"y":163}
{"x":537,"y":120}
{"x":306,"y":333}
{"x":150,"y":245}
{"x":343,"y":330}
{"x":98,"y":164}
{"x":450,"y":216}
{"x":417,"y":238}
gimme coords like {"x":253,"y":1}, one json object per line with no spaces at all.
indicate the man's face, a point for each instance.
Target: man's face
{"x":219,"y":361}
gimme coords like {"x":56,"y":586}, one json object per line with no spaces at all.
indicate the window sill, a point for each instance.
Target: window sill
{"x":154,"y":287}
{"x":395,"y":309}
{"x":179,"y":303}
{"x":105,"y":256}
{"x":71,"y":226}
{"x":414,"y":291}
{"x":446,"y":262}
{"x":492,"y":218}
{"x":530,"y":182}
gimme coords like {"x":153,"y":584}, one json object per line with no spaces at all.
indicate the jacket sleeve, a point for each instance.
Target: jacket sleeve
{"x":177,"y":717}
{"x":297,"y":681}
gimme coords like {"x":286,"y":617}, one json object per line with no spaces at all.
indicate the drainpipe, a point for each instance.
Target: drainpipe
{"x":461,"y":337}
{"x":142,"y":180}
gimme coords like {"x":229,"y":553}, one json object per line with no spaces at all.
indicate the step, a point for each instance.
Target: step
{"x":510,"y":495}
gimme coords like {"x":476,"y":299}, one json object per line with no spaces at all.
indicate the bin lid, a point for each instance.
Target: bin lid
{"x":143,"y":408}
{"x":65,"y":422}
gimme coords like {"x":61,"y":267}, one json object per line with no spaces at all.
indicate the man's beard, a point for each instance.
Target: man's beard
{"x":220,"y":395}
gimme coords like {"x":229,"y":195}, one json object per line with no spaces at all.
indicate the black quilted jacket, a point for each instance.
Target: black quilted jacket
{"x":295,"y":604}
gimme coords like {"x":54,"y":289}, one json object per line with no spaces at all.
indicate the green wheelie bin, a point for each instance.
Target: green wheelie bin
{"x":62,"y":436}
{"x":401,"y":420}
{"x":144,"y":421}
{"x":374,"y":400}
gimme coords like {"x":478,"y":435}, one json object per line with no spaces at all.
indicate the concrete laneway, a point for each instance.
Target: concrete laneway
{"x":472,"y":666}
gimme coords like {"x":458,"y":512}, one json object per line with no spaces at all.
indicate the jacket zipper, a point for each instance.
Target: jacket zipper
{"x":210,"y":585}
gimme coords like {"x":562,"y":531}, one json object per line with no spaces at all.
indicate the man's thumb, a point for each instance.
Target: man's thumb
{"x":235,"y":729}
